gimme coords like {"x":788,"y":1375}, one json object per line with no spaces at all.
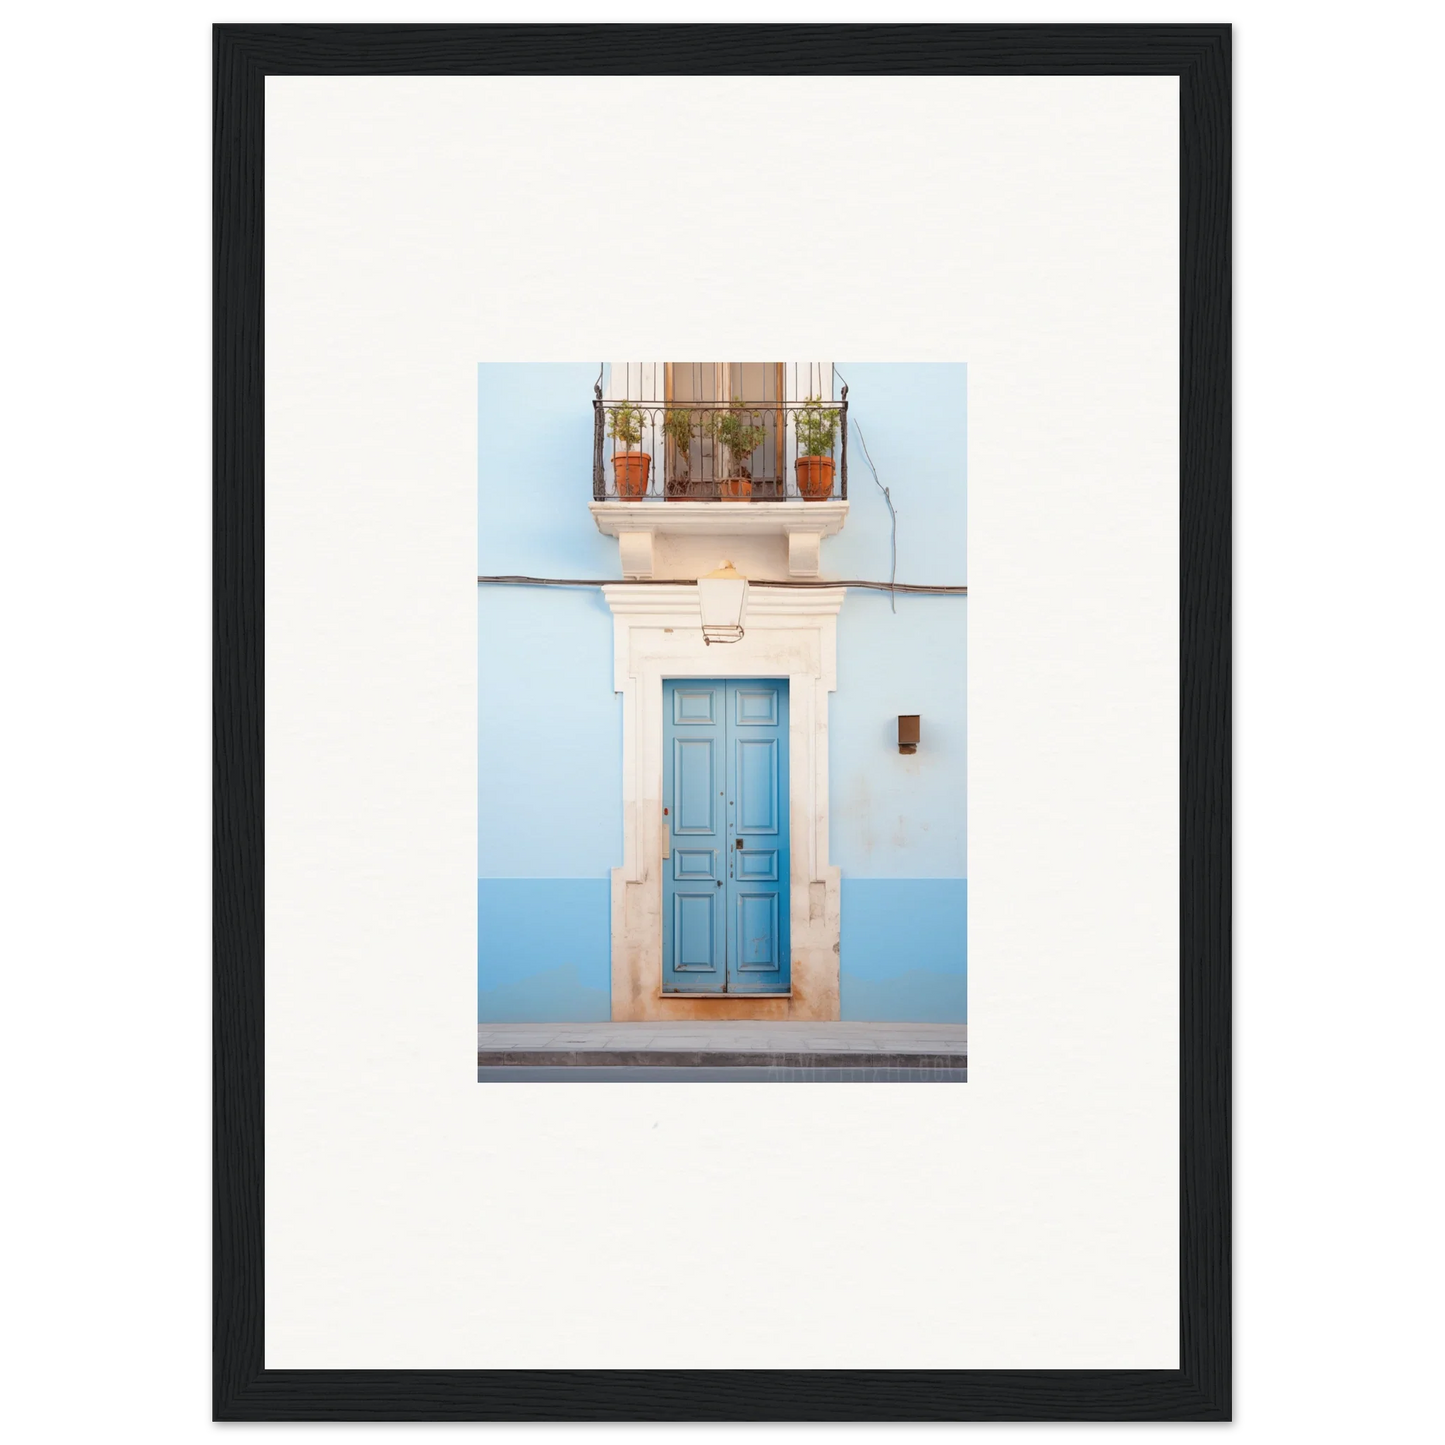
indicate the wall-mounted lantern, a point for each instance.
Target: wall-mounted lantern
{"x":908,"y":733}
{"x":722,"y":597}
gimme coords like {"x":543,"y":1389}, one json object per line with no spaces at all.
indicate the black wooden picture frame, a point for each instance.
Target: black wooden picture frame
{"x":1199,"y":55}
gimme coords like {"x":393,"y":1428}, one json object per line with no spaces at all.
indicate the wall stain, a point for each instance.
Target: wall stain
{"x":857,"y":811}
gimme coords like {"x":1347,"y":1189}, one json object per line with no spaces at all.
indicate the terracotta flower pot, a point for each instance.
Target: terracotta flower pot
{"x":630,"y":470}
{"x":815,"y":478}
{"x":735,"y":489}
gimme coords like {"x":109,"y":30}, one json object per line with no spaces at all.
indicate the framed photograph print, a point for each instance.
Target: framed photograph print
{"x":721,"y":855}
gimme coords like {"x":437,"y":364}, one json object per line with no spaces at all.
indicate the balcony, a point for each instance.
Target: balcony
{"x":759,"y":452}
{"x":684,"y":483}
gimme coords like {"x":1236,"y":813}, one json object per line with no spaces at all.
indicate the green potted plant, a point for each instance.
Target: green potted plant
{"x":816,"y":426}
{"x":742,"y":436}
{"x":630,"y":467}
{"x":679,"y":427}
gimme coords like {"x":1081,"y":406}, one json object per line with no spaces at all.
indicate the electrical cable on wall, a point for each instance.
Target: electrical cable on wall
{"x":887,"y":497}
{"x":518,"y":580}
{"x":893,"y":600}
{"x":893,"y":586}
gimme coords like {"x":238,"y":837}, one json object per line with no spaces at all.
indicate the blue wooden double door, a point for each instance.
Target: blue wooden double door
{"x":725,"y":811}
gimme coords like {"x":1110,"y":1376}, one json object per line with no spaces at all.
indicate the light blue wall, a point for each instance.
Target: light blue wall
{"x":561,"y":971}
{"x":534,"y":472}
{"x":549,"y":735}
{"x":550,"y":726}
{"x":903,"y":949}
{"x":896,"y":815}
{"x":915,"y":418}
{"x":899,"y":823}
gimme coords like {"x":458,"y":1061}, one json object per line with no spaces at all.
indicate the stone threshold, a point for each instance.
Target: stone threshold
{"x":682,"y":994}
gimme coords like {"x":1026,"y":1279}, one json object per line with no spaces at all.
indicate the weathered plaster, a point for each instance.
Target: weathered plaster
{"x":657,"y":634}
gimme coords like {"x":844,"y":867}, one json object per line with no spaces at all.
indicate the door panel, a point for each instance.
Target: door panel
{"x":759,"y":959}
{"x":694,"y":883}
{"x":756,"y":932}
{"x":755,"y":706}
{"x":756,"y":865}
{"x":757,"y":786}
{"x":725,"y":884}
{"x":694,"y":705}
{"x":695,"y":774}
{"x":689,"y":865}
{"x":695,"y":931}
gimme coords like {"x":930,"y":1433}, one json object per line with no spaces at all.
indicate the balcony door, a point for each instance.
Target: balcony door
{"x":699,"y":467}
{"x":700,"y":470}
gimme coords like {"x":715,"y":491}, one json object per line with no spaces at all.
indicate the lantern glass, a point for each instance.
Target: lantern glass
{"x":723,"y":599}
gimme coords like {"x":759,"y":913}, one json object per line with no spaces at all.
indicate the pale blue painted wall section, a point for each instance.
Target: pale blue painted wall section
{"x":549,"y":735}
{"x":915,"y":419}
{"x":561,"y":970}
{"x":896,"y":815}
{"x":550,"y":725}
{"x":898,"y":823}
{"x":903,"y":950}
{"x":534,"y":473}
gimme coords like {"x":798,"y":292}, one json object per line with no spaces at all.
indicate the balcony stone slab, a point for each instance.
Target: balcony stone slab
{"x":682,"y":540}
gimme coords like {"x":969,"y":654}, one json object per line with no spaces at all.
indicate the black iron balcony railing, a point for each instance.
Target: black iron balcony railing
{"x":743,"y":451}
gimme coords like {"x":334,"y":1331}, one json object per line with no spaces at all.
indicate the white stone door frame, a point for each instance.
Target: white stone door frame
{"x":657,"y":634}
